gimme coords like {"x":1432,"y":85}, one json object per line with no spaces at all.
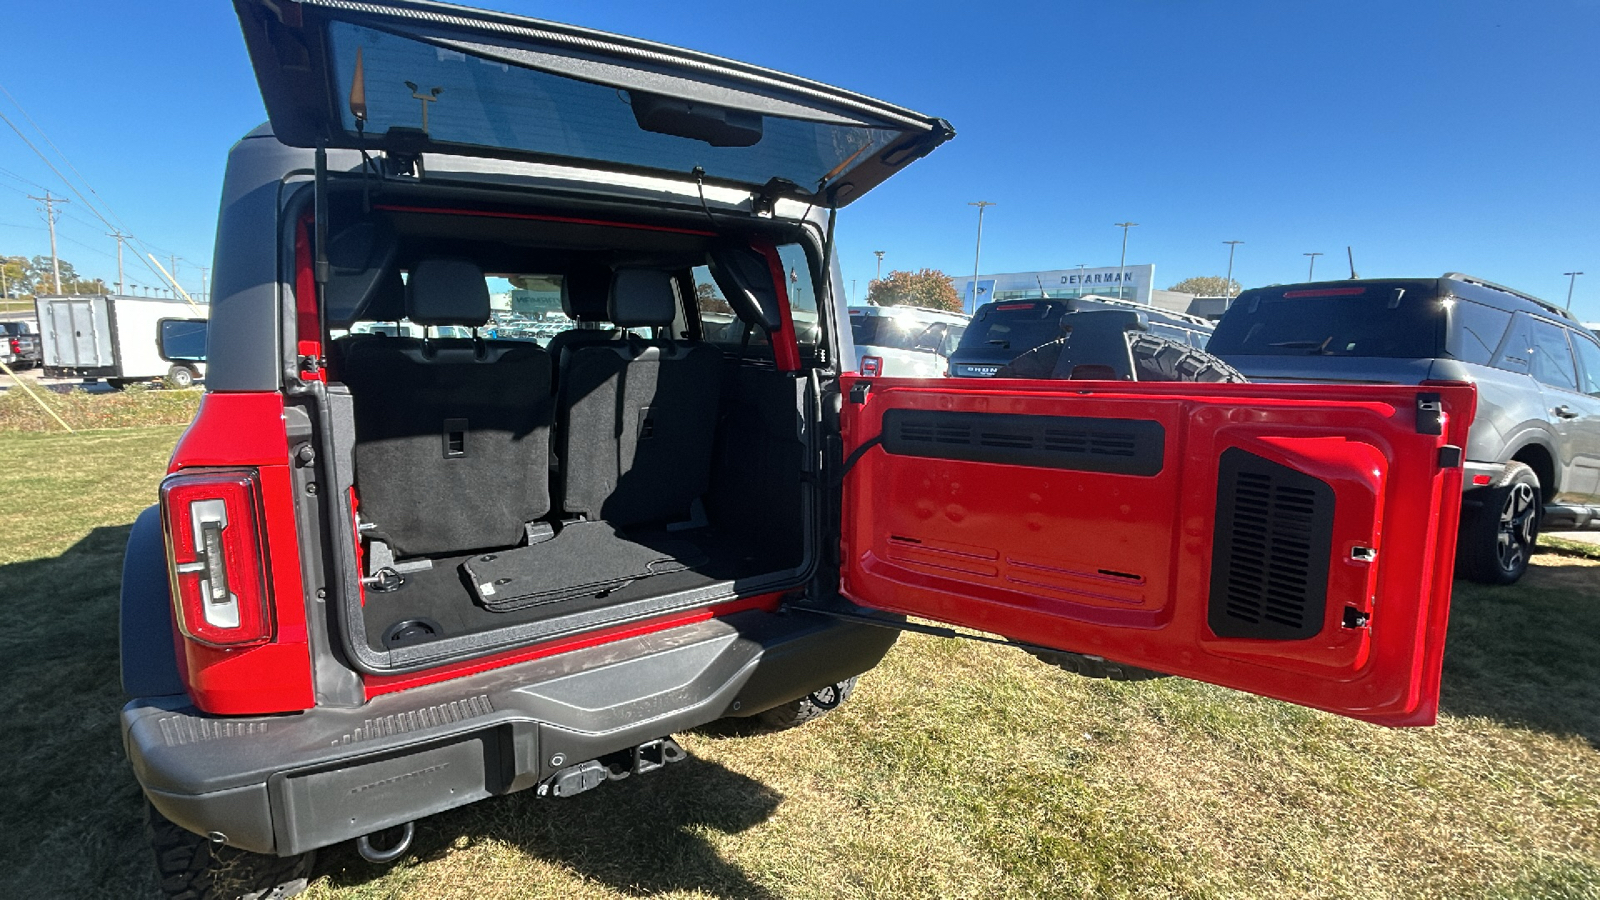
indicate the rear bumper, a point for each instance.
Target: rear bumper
{"x":288,"y":784}
{"x":1474,"y":473}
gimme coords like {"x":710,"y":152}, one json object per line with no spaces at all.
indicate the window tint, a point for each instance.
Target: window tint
{"x":1552,"y":358}
{"x":722,"y":326}
{"x":1392,"y":321}
{"x":1589,"y":356}
{"x":1478,"y":330}
{"x":1013,"y":326}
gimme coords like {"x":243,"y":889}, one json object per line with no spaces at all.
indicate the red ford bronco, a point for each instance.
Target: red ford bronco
{"x":527,"y":443}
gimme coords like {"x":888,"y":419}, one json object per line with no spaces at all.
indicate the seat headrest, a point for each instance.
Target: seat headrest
{"x":642,"y":298}
{"x":586,"y":292}
{"x":447,"y":292}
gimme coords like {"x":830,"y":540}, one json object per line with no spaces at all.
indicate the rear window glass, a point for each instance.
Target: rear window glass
{"x":1017,"y":327}
{"x":1350,"y":321}
{"x":897,"y":332}
{"x":1478,"y":330}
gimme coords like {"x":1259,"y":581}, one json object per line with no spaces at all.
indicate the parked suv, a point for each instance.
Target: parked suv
{"x":393,"y":574}
{"x":1533,"y":456}
{"x":1003,"y":330}
{"x":19,"y":345}
{"x":904,"y":340}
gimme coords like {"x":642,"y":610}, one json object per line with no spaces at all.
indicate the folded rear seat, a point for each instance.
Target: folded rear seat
{"x":636,"y":419}
{"x":452,"y":434}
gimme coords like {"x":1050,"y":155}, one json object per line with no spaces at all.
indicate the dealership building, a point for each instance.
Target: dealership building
{"x":1135,"y":283}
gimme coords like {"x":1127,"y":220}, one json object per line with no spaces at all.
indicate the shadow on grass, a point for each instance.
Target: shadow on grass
{"x":642,"y":836}
{"x":73,"y":822}
{"x":1527,"y":655}
{"x":71,"y":825}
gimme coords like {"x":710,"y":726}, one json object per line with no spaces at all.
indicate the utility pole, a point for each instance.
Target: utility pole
{"x":50,"y":217}
{"x":978,"y":254}
{"x":879,"y":255}
{"x":173,"y":259}
{"x":120,"y":238}
{"x":1572,"y":281}
{"x":205,"y":286}
{"x":1122,"y":267}
{"x":1227,"y":284}
{"x":1311,"y":271}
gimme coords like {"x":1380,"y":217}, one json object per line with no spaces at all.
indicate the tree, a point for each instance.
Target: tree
{"x":26,"y":278}
{"x":927,"y":288}
{"x":1207,"y":286}
{"x":710,"y":299}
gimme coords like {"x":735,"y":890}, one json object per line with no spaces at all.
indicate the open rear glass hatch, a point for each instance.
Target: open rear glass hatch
{"x":408,"y":77}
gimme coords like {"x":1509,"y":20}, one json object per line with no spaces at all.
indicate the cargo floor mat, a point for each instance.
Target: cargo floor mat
{"x":586,"y":559}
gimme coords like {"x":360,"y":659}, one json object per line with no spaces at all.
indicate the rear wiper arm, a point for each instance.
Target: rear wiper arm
{"x":1314,"y":346}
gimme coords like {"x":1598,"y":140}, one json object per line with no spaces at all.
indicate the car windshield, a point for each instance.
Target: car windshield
{"x":1014,"y":326}
{"x":481,"y":99}
{"x":893,"y":332}
{"x":1395,"y":321}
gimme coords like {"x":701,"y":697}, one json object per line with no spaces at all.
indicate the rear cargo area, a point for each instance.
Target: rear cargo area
{"x":511,"y":481}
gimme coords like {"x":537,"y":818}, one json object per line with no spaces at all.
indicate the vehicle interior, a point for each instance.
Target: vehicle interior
{"x":511,"y":481}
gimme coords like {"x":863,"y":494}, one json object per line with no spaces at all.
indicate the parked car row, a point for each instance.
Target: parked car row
{"x":389,"y":576}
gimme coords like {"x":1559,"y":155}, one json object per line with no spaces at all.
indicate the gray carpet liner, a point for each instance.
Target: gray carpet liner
{"x":585,"y":559}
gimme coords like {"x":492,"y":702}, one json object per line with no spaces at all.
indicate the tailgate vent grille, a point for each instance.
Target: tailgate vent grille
{"x":1269,"y":562}
{"x":1080,"y":443}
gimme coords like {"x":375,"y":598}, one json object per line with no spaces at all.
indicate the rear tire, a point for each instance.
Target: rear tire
{"x":1156,"y":358}
{"x":1498,"y":536}
{"x":193,"y":868}
{"x":180,"y":377}
{"x":812,"y":706}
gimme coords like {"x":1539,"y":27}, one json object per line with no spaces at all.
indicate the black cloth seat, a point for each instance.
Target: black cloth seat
{"x":636,"y":419}
{"x":452,"y":435}
{"x":585,"y":298}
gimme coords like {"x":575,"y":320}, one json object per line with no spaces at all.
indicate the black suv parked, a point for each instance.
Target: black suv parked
{"x":1006,"y":329}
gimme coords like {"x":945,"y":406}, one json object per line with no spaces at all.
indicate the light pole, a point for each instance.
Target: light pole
{"x":1312,"y":270}
{"x":978,"y":253}
{"x":1122,"y":266}
{"x":1572,"y":281}
{"x":1080,"y":278}
{"x":879,"y":255}
{"x":1227,"y":284}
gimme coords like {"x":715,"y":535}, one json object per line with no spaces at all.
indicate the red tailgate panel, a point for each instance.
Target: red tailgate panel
{"x":1086,"y":519}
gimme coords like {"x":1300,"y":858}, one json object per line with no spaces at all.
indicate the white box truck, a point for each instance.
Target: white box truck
{"x":123,"y":339}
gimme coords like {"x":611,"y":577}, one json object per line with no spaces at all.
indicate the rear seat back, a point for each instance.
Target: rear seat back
{"x":585,"y":298}
{"x":636,"y":419}
{"x":449,"y":430}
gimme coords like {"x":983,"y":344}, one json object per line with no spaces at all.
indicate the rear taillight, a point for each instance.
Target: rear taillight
{"x":214,"y":556}
{"x":872,"y":366}
{"x":16,"y":346}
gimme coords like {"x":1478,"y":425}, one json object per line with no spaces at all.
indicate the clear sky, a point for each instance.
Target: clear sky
{"x":1429,"y":135}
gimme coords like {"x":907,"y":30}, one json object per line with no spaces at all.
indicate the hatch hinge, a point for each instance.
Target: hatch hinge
{"x":1430,"y":414}
{"x":764,"y":201}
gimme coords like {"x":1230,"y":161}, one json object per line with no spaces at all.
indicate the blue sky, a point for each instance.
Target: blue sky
{"x":1429,"y":136}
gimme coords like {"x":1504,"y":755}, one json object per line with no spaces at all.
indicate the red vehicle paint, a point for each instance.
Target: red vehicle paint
{"x":1119,"y":565}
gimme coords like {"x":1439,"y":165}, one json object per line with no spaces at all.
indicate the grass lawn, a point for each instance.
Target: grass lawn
{"x":958,"y":770}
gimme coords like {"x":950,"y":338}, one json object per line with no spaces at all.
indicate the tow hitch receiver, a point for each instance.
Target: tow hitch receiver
{"x":647,"y":757}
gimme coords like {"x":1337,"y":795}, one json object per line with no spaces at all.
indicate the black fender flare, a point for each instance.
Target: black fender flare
{"x":149,"y":659}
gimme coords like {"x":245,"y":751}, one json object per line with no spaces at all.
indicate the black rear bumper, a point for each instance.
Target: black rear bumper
{"x":288,"y":784}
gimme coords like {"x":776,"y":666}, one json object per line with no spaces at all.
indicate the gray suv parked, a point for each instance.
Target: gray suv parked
{"x":1533,"y":458}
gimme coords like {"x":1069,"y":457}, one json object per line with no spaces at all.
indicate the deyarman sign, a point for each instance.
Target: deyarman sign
{"x":1130,"y":282}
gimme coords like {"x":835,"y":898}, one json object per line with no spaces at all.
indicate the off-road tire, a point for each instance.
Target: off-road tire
{"x":1095,"y":666}
{"x":193,"y":868}
{"x":180,"y":377}
{"x":1156,"y":358}
{"x":812,"y":706}
{"x":1501,"y":528}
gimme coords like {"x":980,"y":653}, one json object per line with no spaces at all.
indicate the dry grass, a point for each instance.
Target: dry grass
{"x":958,"y":770}
{"x":135,"y":407}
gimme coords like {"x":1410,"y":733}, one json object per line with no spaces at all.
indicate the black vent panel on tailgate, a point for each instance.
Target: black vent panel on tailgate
{"x":1269,"y":561}
{"x":1118,"y":446}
